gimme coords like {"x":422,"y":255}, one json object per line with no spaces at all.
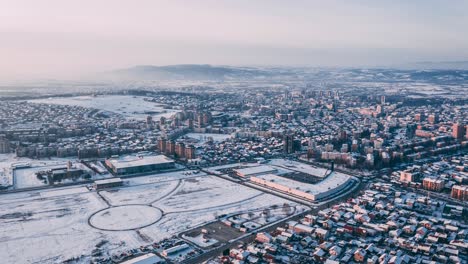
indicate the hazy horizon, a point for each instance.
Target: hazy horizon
{"x":58,"y":39}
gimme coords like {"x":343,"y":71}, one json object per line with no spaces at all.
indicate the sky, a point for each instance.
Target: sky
{"x":69,"y":39}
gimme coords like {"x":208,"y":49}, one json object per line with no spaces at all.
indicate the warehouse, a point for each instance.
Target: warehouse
{"x":332,"y":185}
{"x":139,"y":164}
{"x":255,"y":171}
{"x":149,"y":258}
{"x":108,"y":183}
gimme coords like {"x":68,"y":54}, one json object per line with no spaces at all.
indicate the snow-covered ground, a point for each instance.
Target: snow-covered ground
{"x":125,"y":217}
{"x":141,"y":194}
{"x":131,"y":107}
{"x":8,"y":161}
{"x":40,"y":229}
{"x":52,"y":225}
{"x":6,"y":174}
{"x":26,"y":177}
{"x":162,"y":177}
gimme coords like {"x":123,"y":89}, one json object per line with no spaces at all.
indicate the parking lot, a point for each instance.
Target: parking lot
{"x":216,"y":230}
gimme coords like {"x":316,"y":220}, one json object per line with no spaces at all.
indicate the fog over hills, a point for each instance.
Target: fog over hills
{"x":176,"y":76}
{"x":187,"y":72}
{"x":205,"y":72}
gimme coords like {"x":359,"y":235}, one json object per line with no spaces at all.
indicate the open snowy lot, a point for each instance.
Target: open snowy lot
{"x":21,"y":171}
{"x":40,"y":229}
{"x":55,"y":225}
{"x":132,"y":107}
{"x":24,"y":177}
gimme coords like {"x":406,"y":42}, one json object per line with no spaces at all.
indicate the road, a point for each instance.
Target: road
{"x":251,"y":236}
{"x":78,"y":183}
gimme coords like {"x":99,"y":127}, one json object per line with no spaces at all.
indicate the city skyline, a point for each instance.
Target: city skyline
{"x":233,"y":132}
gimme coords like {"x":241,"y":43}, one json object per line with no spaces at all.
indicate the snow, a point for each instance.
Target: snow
{"x":149,"y":258}
{"x":6,"y":178}
{"x":6,"y":175}
{"x":230,"y":166}
{"x":64,"y":191}
{"x":98,"y":166}
{"x":131,"y":107}
{"x":162,"y":177}
{"x":125,"y":217}
{"x":208,"y":192}
{"x":261,"y":169}
{"x":333,"y":181}
{"x":142,"y":194}
{"x":51,"y":226}
{"x":25,"y":178}
{"x":298,"y":166}
{"x":47,"y":229}
{"x":181,"y":253}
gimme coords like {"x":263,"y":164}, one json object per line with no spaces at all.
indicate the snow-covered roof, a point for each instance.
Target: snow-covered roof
{"x":134,"y":161}
{"x":149,"y":258}
{"x":262,"y":169}
{"x":112,"y":180}
{"x":334,"y":180}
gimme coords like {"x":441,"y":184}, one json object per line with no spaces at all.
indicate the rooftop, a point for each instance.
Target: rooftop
{"x":112,"y":180}
{"x":262,"y":169}
{"x":135,"y":161}
{"x":334,"y":180}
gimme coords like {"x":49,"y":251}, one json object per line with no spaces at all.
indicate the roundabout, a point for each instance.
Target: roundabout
{"x":125,"y":217}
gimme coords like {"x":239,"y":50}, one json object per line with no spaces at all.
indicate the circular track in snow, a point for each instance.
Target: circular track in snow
{"x":125,"y":217}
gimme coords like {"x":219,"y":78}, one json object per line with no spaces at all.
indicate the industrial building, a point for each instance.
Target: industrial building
{"x":139,"y":164}
{"x":255,"y":171}
{"x":330,"y":186}
{"x":149,"y":258}
{"x":108,"y":183}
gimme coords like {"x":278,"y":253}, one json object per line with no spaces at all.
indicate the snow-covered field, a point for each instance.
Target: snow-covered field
{"x":201,"y":241}
{"x":52,"y":226}
{"x":38,"y":229}
{"x":26,"y":177}
{"x":132,"y":107}
{"x":125,"y":217}
{"x":6,"y":174}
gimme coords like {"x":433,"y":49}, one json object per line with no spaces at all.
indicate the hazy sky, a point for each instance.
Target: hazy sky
{"x":65,"y":38}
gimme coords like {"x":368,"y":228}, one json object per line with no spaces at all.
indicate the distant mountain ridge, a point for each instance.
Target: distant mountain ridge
{"x":441,"y":65}
{"x":205,"y":72}
{"x":187,"y":71}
